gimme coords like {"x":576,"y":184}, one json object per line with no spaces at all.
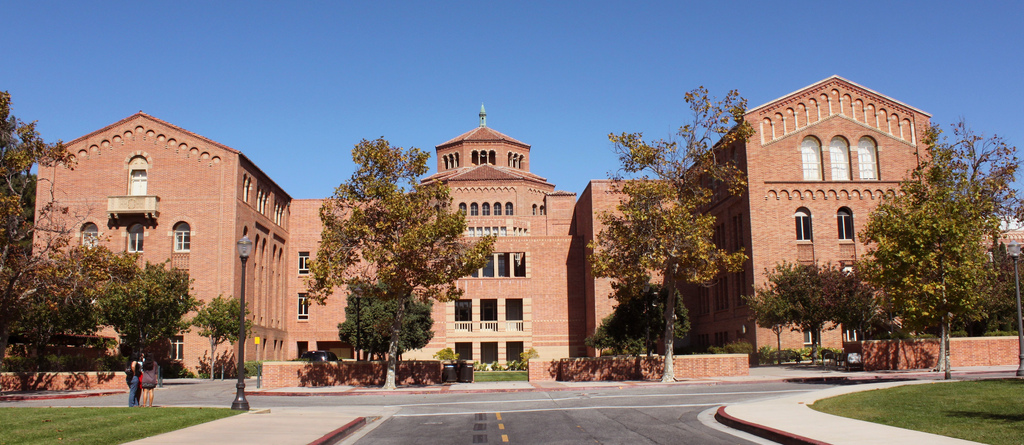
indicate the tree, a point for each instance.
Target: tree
{"x":218,"y":321}
{"x":770,"y":311}
{"x":147,"y":304}
{"x":393,"y":237}
{"x":375,"y":321}
{"x":662,"y":226}
{"x":26,"y":241}
{"x":928,"y":243}
{"x":637,"y":323}
{"x":802,"y":291}
{"x":854,"y":302}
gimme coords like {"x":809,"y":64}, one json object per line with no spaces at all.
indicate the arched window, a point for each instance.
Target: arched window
{"x":137,"y":176}
{"x":839,"y":153}
{"x":473,"y":210}
{"x":476,"y":158}
{"x":542,"y":210}
{"x":246,"y":182}
{"x":462,"y":207}
{"x":810,"y":156}
{"x":182,"y":237}
{"x":90,"y":235}
{"x":508,"y":208}
{"x":803,"y":224}
{"x":494,"y":158}
{"x":497,"y":209}
{"x":844,"y":219}
{"x":867,"y":158}
{"x":535,"y":209}
{"x":135,"y":235}
{"x":486,"y":209}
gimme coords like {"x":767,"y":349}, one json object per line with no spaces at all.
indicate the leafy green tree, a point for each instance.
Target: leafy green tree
{"x":637,"y":323}
{"x":393,"y":237}
{"x":770,"y":311}
{"x":146,"y":304}
{"x":27,"y":236}
{"x":928,"y":244}
{"x":802,"y":290}
{"x":854,"y":302}
{"x":218,"y":321}
{"x":375,"y":320}
{"x":662,"y":226}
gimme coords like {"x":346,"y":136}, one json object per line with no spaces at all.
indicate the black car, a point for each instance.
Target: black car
{"x":319,"y":356}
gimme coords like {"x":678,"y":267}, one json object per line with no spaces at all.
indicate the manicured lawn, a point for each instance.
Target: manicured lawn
{"x":97,"y":425}
{"x":989,"y":411}
{"x":501,"y":376}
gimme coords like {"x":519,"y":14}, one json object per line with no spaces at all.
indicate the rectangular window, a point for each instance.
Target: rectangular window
{"x":808,"y":338}
{"x":514,"y":309}
{"x":177,"y":347}
{"x":464,"y":310}
{"x":488,"y":310}
{"x":488,"y":352}
{"x":502,"y":264}
{"x":303,"y":307}
{"x":519,"y":264}
{"x":504,"y":231}
{"x":488,"y":271}
{"x":513,"y":351}
{"x":182,"y":240}
{"x":465,"y":350}
{"x":303,"y":263}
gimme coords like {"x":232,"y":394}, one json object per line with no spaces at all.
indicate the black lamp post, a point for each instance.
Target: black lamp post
{"x":1014,"y":250}
{"x":244,"y":249}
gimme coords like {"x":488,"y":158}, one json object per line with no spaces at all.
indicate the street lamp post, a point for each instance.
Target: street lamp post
{"x":244,"y":249}
{"x":1014,"y":250}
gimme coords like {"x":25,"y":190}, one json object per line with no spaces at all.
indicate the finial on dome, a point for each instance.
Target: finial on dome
{"x":483,"y":116}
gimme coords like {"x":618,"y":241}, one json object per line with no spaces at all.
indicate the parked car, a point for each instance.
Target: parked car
{"x":319,"y":356}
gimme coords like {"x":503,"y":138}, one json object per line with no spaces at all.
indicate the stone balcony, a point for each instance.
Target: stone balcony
{"x":145,"y":205}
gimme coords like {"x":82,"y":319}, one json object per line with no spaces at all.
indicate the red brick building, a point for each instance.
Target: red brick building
{"x":821,"y":159}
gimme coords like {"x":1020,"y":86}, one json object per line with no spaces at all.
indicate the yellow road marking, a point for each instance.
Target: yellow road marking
{"x":499,"y":415}
{"x":501,"y":426}
{"x":504,"y":438}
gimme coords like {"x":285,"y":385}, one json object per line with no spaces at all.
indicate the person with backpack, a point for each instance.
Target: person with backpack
{"x":133,"y":371}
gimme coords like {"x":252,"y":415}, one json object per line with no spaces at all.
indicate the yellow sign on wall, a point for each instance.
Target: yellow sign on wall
{"x":257,"y":340}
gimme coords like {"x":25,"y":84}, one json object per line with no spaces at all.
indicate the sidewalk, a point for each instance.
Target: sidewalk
{"x":785,"y":419}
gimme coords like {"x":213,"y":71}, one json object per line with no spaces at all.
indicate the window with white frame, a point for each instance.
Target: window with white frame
{"x":303,"y":309}
{"x":497,"y":209}
{"x":803,"y":224}
{"x":177,"y":348}
{"x":839,"y":154}
{"x":810,"y":156}
{"x":485,"y":209}
{"x":303,"y":263}
{"x":844,"y":219}
{"x":138,"y":176}
{"x":136,"y":233}
{"x":474,"y":210}
{"x":90,"y":235}
{"x":462,"y":208}
{"x":182,"y":237}
{"x":508,"y":209}
{"x":867,"y":158}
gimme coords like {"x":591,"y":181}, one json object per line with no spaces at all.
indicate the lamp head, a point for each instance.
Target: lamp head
{"x":244,"y":247}
{"x":1013,"y":248}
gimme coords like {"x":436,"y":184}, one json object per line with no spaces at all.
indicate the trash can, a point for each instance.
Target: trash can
{"x":449,"y":372}
{"x":466,"y":371}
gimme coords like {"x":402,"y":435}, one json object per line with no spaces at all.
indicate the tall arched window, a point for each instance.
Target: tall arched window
{"x":497,"y":209}
{"x":844,"y":219}
{"x":182,"y":237}
{"x":867,"y":158}
{"x":486,"y":209}
{"x":493,"y":159}
{"x":476,"y":158}
{"x":462,"y":207}
{"x":839,"y":154}
{"x":474,"y":210}
{"x":508,"y":208}
{"x":135,"y":235}
{"x":90,"y":235}
{"x":810,"y":156}
{"x":535,"y":209}
{"x":803,"y":224}
{"x":542,"y":210}
{"x":138,"y":176}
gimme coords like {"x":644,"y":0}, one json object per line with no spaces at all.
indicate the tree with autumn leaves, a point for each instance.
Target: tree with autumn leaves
{"x":393,"y":238}
{"x":661,"y":227}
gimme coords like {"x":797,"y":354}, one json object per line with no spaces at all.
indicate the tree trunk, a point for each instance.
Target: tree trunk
{"x":213,"y":358}
{"x":815,"y":345}
{"x":778,"y":352}
{"x":669,"y":374}
{"x":944,"y":349}
{"x":396,"y":330}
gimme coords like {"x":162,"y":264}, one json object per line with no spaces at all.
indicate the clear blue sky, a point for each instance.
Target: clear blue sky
{"x":294,"y":85}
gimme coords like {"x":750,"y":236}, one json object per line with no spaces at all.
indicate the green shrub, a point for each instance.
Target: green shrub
{"x":175,"y":370}
{"x":766,"y":355}
{"x":959,"y":333}
{"x":1012,"y":333}
{"x":518,"y":365}
{"x":253,"y":368}
{"x":739,"y":347}
{"x":446,"y":354}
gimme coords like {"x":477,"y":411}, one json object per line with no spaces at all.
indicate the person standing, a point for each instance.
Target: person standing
{"x":134,"y":371}
{"x":148,"y":381}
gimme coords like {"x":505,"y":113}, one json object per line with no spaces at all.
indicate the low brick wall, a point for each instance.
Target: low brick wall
{"x":366,"y":373}
{"x":61,"y":381}
{"x":924,"y":353}
{"x":638,"y":368}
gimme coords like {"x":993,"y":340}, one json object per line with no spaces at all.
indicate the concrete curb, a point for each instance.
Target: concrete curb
{"x":18,"y":398}
{"x":762,"y":431}
{"x":340,"y":434}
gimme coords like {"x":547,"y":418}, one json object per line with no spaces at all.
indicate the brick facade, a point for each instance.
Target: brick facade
{"x":540,"y":292}
{"x":923,"y":354}
{"x":61,"y":381}
{"x":638,"y":368}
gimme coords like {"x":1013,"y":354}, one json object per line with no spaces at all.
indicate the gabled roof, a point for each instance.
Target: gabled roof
{"x":483,"y":134}
{"x":485,"y":172}
{"x":832,"y":79}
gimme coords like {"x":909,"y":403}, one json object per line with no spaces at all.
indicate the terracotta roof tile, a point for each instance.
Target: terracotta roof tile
{"x":483,"y":134}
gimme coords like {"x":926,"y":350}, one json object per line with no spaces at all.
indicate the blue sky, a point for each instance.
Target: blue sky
{"x":294,"y":85}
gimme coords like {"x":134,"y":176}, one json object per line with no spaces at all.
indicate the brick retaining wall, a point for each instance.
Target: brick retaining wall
{"x":61,"y":381}
{"x":638,"y":368}
{"x":924,"y":353}
{"x":310,"y":374}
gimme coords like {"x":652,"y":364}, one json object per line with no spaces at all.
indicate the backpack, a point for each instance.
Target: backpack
{"x":128,"y":370}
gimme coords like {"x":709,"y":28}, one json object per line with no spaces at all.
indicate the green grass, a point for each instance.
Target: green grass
{"x":989,"y":411}
{"x":97,"y":425}
{"x":501,"y":376}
